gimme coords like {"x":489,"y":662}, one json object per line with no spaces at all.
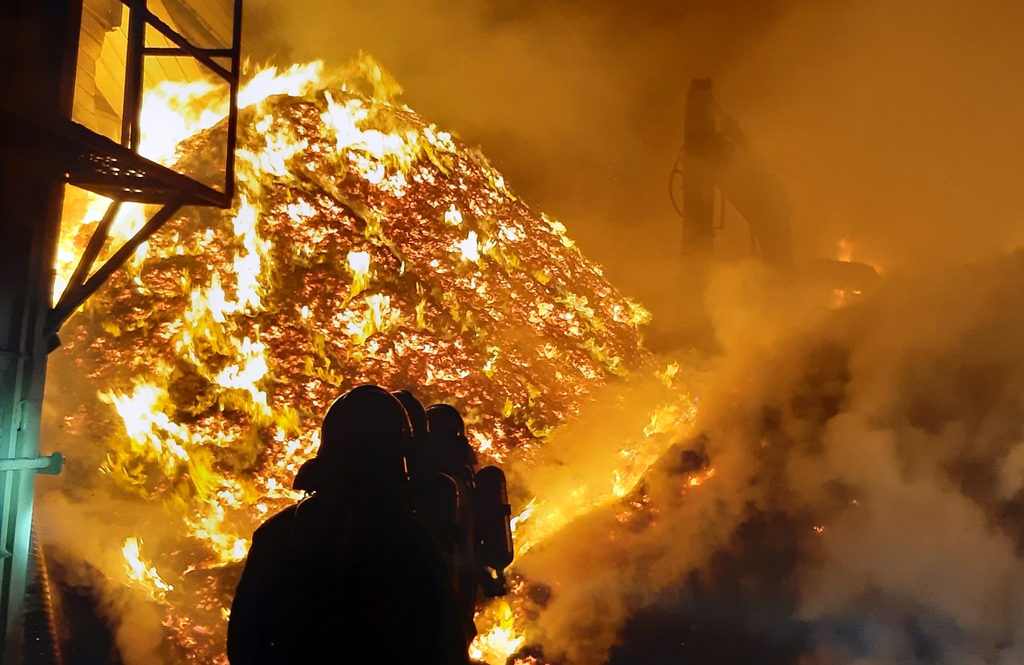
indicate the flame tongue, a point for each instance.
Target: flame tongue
{"x":146,"y":576}
{"x":499,"y":640}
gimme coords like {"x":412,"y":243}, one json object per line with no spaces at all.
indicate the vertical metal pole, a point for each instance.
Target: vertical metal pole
{"x":133,"y":75}
{"x":29,"y":205}
{"x":699,"y":154}
{"x":236,"y":71}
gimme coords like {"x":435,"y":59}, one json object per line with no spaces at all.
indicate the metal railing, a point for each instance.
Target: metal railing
{"x":139,"y":17}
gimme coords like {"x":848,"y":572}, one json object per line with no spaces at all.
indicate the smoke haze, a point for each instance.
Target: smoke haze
{"x":894,"y":125}
{"x":867,"y":504}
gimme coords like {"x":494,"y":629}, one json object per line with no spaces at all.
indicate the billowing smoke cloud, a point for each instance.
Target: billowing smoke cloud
{"x":865,"y":505}
{"x":83,"y":521}
{"x":104,"y":621}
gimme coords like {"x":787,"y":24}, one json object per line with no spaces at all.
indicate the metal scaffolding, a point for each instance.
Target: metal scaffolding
{"x":43,"y":148}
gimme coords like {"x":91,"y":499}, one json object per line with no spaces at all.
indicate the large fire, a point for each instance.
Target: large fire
{"x":365,"y":245}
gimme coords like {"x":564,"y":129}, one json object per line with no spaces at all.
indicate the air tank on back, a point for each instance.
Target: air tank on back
{"x":494,"y":529}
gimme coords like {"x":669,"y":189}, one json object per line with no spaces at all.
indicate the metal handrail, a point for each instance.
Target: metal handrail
{"x":139,"y":17}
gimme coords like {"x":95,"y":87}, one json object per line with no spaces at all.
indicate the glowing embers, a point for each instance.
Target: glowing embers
{"x":221,"y":348}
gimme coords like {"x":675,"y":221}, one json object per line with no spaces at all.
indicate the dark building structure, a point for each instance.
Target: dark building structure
{"x":72,"y":78}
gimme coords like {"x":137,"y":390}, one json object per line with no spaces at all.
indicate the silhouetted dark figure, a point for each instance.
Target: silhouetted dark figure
{"x":434,"y":494}
{"x":455,"y":459}
{"x":348,"y":575}
{"x":448,"y":436}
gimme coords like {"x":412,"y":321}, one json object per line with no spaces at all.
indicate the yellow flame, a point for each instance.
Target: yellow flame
{"x":172,"y":111}
{"x":545,"y":516}
{"x":149,"y":429}
{"x":145,"y":576}
{"x":524,"y":515}
{"x":469,"y":247}
{"x":359,"y":264}
{"x":296,"y":81}
{"x":501,"y":640}
{"x":394,"y":150}
{"x":248,"y":372}
{"x":453,"y":216}
{"x":250,"y":265}
{"x":170,"y":114}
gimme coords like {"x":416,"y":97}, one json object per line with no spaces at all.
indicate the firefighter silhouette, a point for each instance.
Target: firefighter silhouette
{"x":469,"y":519}
{"x":452,"y":519}
{"x":349,"y":574}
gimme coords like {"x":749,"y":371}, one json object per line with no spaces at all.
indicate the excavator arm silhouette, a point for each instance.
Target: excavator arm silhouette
{"x":716,"y":156}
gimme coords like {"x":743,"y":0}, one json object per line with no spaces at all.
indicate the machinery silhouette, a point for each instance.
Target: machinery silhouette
{"x":717,"y":157}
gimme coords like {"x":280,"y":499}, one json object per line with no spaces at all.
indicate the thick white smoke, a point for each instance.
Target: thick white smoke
{"x":881,"y":446}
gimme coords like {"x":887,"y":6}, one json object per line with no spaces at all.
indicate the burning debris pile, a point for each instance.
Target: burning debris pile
{"x":366,"y":245}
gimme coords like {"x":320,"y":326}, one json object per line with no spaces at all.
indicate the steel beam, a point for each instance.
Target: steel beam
{"x":29,"y":204}
{"x":78,"y":293}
